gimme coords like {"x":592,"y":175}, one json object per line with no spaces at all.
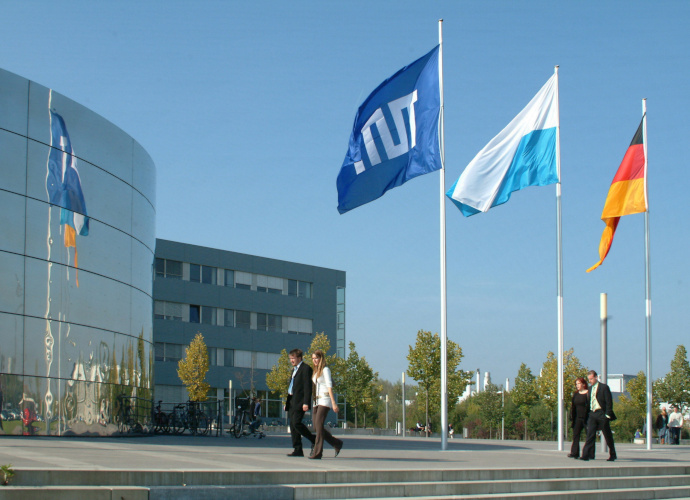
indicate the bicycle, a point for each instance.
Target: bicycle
{"x":178,"y":419}
{"x":161,"y":421}
{"x":199,"y":423}
{"x":242,"y":424}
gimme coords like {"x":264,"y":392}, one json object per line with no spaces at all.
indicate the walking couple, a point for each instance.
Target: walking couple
{"x":299,"y":401}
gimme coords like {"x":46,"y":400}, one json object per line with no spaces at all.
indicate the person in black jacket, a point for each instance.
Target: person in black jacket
{"x":298,"y":402}
{"x":578,"y":414}
{"x":600,"y":417}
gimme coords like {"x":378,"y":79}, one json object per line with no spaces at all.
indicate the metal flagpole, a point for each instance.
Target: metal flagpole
{"x":560,"y":270}
{"x":648,"y":284}
{"x":442,"y":177}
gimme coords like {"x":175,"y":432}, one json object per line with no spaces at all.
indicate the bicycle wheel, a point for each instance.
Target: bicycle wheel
{"x":238,"y":426}
{"x":203,"y":424}
{"x":176,"y":425}
{"x":165,"y":423}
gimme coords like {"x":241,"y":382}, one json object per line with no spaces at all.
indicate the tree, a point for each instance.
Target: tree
{"x":524,"y":393}
{"x":193,"y":367}
{"x":336,"y":364}
{"x":278,"y":379}
{"x":637,"y":388}
{"x":360,"y":387}
{"x":674,"y":388}
{"x":425,"y":367}
{"x":547,"y":383}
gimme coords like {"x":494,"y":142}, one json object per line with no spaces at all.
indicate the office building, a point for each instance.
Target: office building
{"x":248,"y":309}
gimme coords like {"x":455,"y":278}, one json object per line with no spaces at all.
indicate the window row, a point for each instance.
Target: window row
{"x":219,"y":356}
{"x":166,"y":268}
{"x":208,"y":315}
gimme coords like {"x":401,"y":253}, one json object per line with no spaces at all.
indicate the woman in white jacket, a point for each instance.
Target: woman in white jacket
{"x":324,"y":402}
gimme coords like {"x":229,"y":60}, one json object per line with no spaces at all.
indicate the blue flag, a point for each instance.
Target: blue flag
{"x":63,"y":182}
{"x":395,"y":135}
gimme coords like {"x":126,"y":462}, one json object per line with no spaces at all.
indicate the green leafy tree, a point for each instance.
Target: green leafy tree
{"x":425,"y":367}
{"x":674,"y":388}
{"x":337,"y":365}
{"x":637,"y":387}
{"x":547,"y":382}
{"x":524,"y":393}
{"x":360,"y":386}
{"x":193,"y":367}
{"x":278,"y":379}
{"x":629,"y":419}
{"x":490,"y":402}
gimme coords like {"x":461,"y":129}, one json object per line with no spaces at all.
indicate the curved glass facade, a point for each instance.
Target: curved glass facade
{"x":77,"y":240}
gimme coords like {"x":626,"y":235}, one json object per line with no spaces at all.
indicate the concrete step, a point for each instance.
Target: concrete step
{"x":607,"y":483}
{"x":110,"y":477}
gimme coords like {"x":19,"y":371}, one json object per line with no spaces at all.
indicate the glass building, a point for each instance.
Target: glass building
{"x":77,"y":226}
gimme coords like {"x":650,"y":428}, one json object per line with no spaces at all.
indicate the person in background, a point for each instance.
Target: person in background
{"x":662,"y":425}
{"x":578,"y":414}
{"x":675,"y":422}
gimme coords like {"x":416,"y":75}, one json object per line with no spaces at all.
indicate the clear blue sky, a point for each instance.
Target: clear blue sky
{"x":247,"y":107}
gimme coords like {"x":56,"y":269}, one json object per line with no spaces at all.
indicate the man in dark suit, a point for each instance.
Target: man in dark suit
{"x":299,"y":401}
{"x":600,"y":417}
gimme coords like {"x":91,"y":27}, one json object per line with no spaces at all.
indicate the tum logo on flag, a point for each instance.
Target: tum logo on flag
{"x":396,"y":108}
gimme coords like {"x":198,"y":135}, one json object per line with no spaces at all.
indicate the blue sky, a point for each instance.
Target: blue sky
{"x":246,"y":108}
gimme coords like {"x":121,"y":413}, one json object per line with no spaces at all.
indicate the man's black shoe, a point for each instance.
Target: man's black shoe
{"x":612,"y":459}
{"x":295,"y":454}
{"x":584,"y":458}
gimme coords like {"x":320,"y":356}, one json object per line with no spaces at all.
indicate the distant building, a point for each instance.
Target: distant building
{"x":618,"y":384}
{"x":248,"y":309}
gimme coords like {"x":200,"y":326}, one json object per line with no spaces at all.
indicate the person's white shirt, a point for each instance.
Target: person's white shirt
{"x":675,"y":419}
{"x":323,"y":383}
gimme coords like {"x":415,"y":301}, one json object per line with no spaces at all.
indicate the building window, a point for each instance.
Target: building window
{"x":304,"y":289}
{"x":202,"y":274}
{"x":168,"y":269}
{"x":208,"y":275}
{"x":229,"y":278}
{"x":228,"y":357}
{"x":243,"y":319}
{"x":159,"y":348}
{"x":212,"y":356}
{"x":261,"y":321}
{"x":243,"y":280}
{"x":168,"y":352}
{"x":167,"y":310}
{"x":340,"y":322}
{"x":195,"y":273}
{"x":299,"y":326}
{"x":229,"y":317}
{"x":299,"y":289}
{"x":194,"y":314}
{"x":269,"y":284}
{"x":275,"y":323}
{"x":208,"y":315}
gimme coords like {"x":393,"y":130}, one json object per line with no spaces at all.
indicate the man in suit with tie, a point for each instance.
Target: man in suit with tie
{"x":299,"y":401}
{"x":600,"y":417}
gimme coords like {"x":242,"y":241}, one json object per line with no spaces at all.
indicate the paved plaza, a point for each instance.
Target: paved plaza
{"x":189,"y":453}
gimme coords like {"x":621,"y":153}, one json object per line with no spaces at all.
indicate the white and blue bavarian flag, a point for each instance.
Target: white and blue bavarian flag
{"x":523,"y":154}
{"x":395,"y":136}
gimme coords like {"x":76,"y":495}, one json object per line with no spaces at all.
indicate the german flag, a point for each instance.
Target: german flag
{"x":627,"y":194}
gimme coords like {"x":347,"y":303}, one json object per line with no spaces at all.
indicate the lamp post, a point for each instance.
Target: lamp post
{"x":404,"y":429}
{"x":386,"y":411}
